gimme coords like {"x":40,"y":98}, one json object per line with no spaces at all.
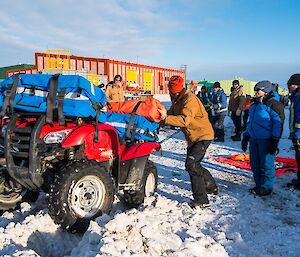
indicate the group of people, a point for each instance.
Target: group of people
{"x":201,"y":119}
{"x":215,"y":104}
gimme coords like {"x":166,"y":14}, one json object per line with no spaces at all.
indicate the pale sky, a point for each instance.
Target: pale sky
{"x":218,"y":40}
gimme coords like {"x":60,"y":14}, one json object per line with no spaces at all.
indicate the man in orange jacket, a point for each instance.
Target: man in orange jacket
{"x":115,"y":92}
{"x":188,"y":113}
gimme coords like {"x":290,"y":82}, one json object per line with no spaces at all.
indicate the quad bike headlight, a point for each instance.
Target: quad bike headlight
{"x":56,"y":137}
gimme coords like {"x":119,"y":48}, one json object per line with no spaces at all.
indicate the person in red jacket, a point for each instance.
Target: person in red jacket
{"x":246,"y":111}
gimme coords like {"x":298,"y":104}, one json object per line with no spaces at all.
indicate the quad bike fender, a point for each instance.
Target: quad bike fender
{"x":108,"y":143}
{"x":135,"y":169}
{"x":139,"y":150}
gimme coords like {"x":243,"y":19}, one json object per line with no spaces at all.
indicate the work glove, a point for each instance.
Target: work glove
{"x":162,"y":123}
{"x":216,"y":106}
{"x":163,"y":113}
{"x":273,"y":145}
{"x":245,"y":141}
{"x":238,"y":112}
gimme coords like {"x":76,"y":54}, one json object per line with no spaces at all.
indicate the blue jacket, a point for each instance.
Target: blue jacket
{"x":265,"y":120}
{"x":295,"y":114}
{"x":276,"y":95}
{"x":219,"y":99}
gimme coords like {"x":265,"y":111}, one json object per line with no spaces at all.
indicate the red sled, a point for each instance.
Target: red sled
{"x":282,"y":165}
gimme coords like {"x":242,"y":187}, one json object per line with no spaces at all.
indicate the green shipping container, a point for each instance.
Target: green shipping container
{"x":3,"y":70}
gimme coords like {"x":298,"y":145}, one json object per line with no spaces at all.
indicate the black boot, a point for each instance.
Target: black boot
{"x":295,"y":183}
{"x":260,"y":191}
{"x":219,"y":139}
{"x":236,"y":137}
{"x":195,"y":204}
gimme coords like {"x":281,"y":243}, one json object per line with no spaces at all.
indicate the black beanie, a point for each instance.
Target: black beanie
{"x":217,"y":84}
{"x":294,"y":80}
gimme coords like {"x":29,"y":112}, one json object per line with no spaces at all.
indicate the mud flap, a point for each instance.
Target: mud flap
{"x":136,"y":169}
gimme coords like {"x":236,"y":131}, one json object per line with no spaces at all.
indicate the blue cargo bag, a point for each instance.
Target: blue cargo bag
{"x":71,"y":95}
{"x":133,"y":127}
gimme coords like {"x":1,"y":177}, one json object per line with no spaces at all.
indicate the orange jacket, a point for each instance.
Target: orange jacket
{"x":115,"y":93}
{"x":189,"y":114}
{"x":247,"y":103}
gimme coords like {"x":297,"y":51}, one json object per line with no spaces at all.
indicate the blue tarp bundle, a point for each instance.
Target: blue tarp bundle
{"x":33,"y":89}
{"x":141,"y":128}
{"x":79,"y":97}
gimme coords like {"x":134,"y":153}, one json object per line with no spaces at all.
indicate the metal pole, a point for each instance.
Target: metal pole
{"x":184,"y":68}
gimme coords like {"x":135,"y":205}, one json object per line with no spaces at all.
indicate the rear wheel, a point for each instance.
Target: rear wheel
{"x":80,"y":193}
{"x":148,"y":187}
{"x":12,"y":193}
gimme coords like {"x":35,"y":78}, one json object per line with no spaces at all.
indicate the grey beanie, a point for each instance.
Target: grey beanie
{"x":264,"y":85}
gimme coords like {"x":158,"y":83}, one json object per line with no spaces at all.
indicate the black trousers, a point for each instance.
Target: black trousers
{"x":237,"y":121}
{"x":245,"y":119}
{"x":201,"y":179}
{"x":218,"y":125}
{"x":209,"y":112}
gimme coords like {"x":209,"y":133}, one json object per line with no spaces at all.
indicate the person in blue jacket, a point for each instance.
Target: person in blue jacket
{"x":294,"y":88}
{"x":219,"y":101}
{"x":266,"y":118}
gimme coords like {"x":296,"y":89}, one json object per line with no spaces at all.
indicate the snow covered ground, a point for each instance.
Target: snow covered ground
{"x":236,"y":224}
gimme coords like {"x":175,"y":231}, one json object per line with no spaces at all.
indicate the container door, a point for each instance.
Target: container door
{"x":93,"y":78}
{"x":131,"y":77}
{"x":148,"y":85}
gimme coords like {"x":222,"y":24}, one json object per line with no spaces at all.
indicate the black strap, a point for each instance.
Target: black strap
{"x":131,"y":119}
{"x":6,"y":101}
{"x":10,"y":94}
{"x":133,"y":131}
{"x":97,"y":107}
{"x":79,"y":92}
{"x":109,"y":105}
{"x":61,"y":117}
{"x":51,"y":98}
{"x":13,"y":94}
{"x":32,"y":91}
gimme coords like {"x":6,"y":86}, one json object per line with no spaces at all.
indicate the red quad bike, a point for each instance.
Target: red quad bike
{"x":79,"y":169}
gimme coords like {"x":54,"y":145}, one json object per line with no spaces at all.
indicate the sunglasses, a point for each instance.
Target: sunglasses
{"x":258,"y":89}
{"x":118,"y":80}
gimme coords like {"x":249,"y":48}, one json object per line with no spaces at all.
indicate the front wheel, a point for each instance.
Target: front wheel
{"x":148,"y":187}
{"x":12,"y":193}
{"x":80,"y":193}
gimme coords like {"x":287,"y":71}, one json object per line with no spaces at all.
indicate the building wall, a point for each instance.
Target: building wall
{"x":100,"y":66}
{"x":247,"y":85}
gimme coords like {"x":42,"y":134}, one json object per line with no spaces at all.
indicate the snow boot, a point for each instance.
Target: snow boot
{"x":196,"y":205}
{"x":236,"y":137}
{"x":260,"y":191}
{"x":295,"y":184}
{"x":219,"y":139}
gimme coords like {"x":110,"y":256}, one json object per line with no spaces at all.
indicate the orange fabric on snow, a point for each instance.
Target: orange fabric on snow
{"x":240,"y":157}
{"x":148,"y":108}
{"x":242,"y":161}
